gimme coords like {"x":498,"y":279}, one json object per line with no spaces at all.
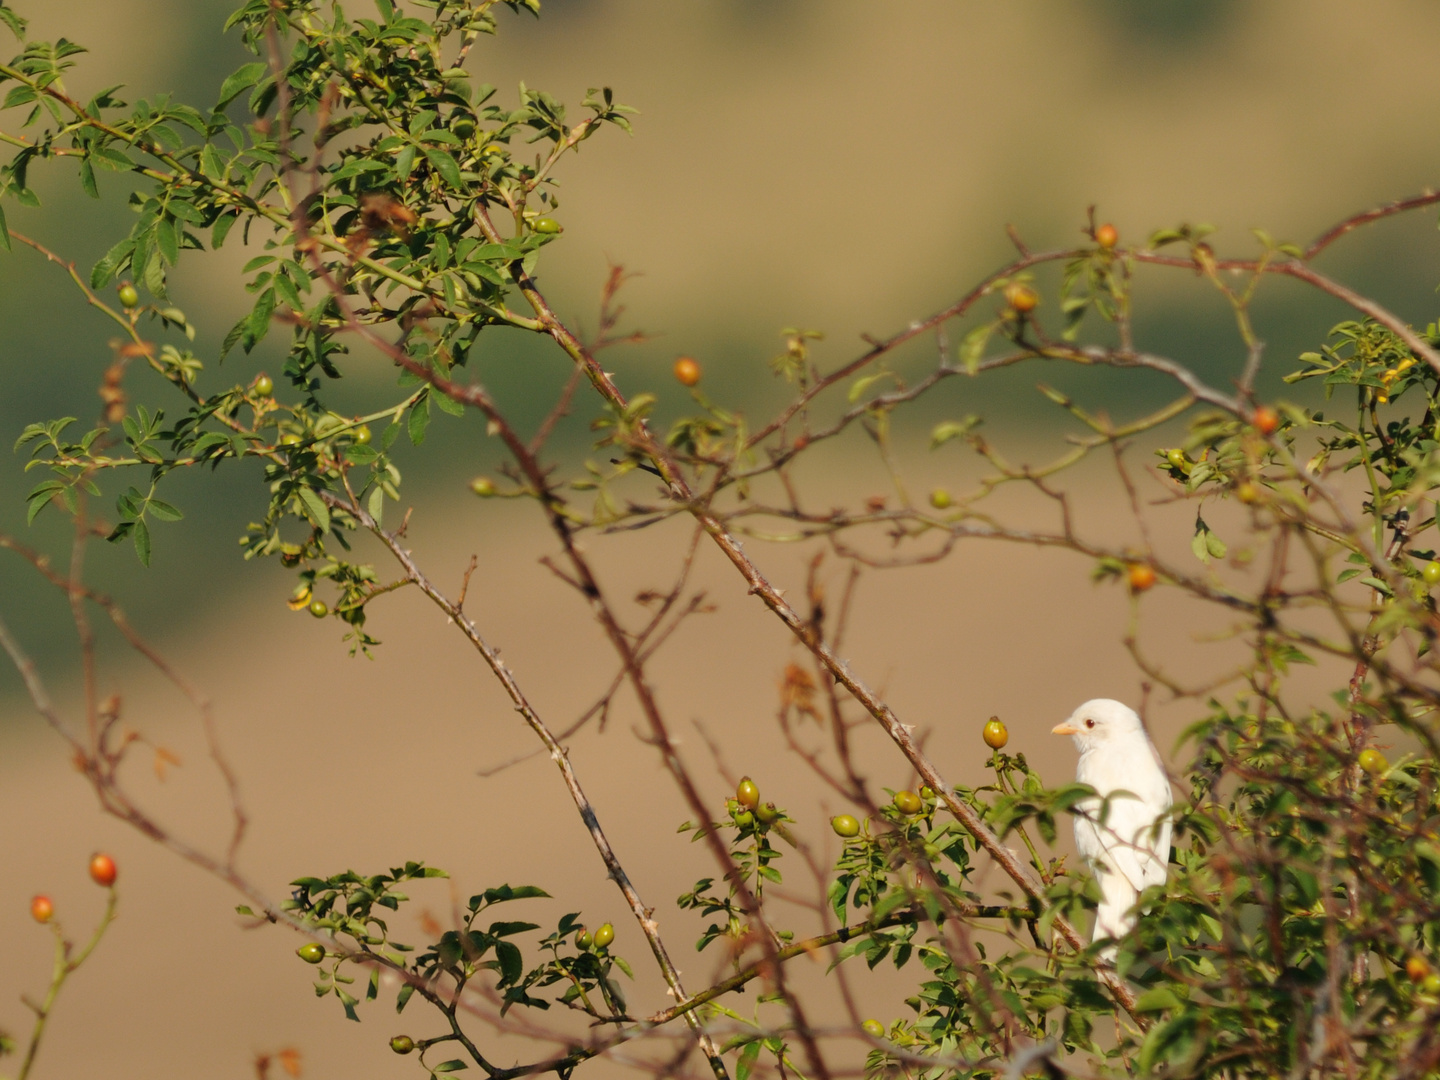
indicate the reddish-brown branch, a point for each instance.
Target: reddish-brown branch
{"x":1365,"y":217}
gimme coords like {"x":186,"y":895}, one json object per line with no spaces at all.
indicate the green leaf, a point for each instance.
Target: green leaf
{"x":13,"y":21}
{"x":419,"y":420}
{"x":236,"y":333}
{"x":453,"y":1065}
{"x":951,"y":429}
{"x":87,"y":178}
{"x":349,"y":1002}
{"x":239,"y":82}
{"x":746,"y":1062}
{"x":972,"y":347}
{"x":319,"y":512}
{"x":1157,"y":999}
{"x":1205,"y":545}
{"x":142,"y":541}
{"x":510,"y":892}
{"x":1376,"y":584}
{"x":223,"y":225}
{"x":110,"y":263}
{"x":512,"y":964}
{"x":405,"y":163}
{"x":163,"y":510}
{"x":41,"y":498}
{"x":210,"y":163}
{"x":859,"y":386}
{"x":448,"y":404}
{"x":505,"y":928}
{"x":360,"y":454}
{"x":167,"y":240}
{"x":257,"y":323}
{"x":285,"y":289}
{"x":110,"y":158}
{"x":445,"y":165}
{"x":153,"y":276}
{"x":376,"y":505}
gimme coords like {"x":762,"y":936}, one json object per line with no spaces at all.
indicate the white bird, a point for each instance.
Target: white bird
{"x":1124,"y":832}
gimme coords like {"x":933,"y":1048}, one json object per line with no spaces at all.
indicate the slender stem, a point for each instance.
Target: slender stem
{"x":65,"y":965}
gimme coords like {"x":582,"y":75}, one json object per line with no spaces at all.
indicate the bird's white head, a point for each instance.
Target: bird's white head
{"x":1099,"y":722}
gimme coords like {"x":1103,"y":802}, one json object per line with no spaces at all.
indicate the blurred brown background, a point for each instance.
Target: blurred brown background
{"x":825,"y":164}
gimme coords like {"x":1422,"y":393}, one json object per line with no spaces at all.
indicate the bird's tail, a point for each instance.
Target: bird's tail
{"x":1114,"y":918}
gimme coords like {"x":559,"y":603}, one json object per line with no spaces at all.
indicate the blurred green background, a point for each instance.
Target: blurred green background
{"x":829,"y":164}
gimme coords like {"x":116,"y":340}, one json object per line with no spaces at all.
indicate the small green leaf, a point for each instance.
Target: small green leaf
{"x":142,"y":541}
{"x":110,"y":264}
{"x":319,"y":513}
{"x":951,"y":429}
{"x":419,"y":420}
{"x":746,"y":1061}
{"x":445,"y":165}
{"x":859,"y":386}
{"x":1156,"y":999}
{"x":167,"y":240}
{"x":244,"y":78}
{"x":87,"y":178}
{"x":972,"y":347}
{"x":376,"y":505}
{"x":257,"y":323}
{"x":163,"y":510}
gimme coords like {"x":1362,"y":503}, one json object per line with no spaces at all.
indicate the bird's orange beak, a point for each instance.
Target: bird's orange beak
{"x":1065,"y":728}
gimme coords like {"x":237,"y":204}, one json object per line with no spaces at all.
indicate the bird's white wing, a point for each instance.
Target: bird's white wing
{"x":1125,"y":837}
{"x":1127,"y":853}
{"x":1087,"y":831}
{"x":1122,"y":832}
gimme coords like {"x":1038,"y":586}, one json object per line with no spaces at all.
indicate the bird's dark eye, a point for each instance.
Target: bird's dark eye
{"x":1089,"y":723}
